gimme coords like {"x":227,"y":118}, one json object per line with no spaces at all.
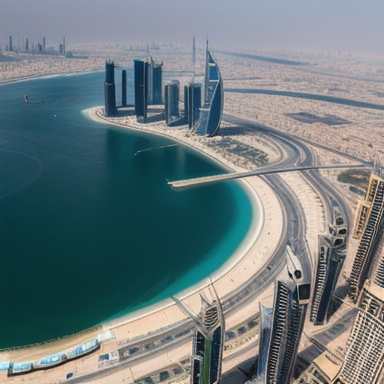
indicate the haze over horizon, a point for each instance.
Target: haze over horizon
{"x":344,"y":25}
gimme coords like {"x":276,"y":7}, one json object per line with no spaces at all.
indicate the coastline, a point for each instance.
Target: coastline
{"x":249,"y":256}
{"x":241,"y":252}
{"x":46,"y":76}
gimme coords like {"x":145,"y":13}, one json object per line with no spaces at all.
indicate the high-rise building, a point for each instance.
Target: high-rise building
{"x":172,"y":102}
{"x":264,"y":340}
{"x":141,"y":89}
{"x":208,"y":341}
{"x":208,"y":345}
{"x":331,"y":256}
{"x":192,"y":103}
{"x":212,"y":110}
{"x":44,"y":47}
{"x":10,"y":45}
{"x":109,"y":89}
{"x":369,"y":221}
{"x":155,"y":82}
{"x":123,"y":87}
{"x":26,"y":44}
{"x":63,"y":45}
{"x":282,"y":328}
{"x":364,"y":358}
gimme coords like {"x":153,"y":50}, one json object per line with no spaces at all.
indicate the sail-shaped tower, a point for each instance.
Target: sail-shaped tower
{"x":212,"y":110}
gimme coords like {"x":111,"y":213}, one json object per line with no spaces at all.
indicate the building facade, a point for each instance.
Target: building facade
{"x":141,"y":89}
{"x":212,"y":110}
{"x":192,"y":103}
{"x":208,"y":345}
{"x":369,"y":221}
{"x":171,"y":96}
{"x":280,"y":339}
{"x":124,"y":88}
{"x":109,"y":89}
{"x":364,"y":359}
{"x":331,"y":256}
{"x":155,"y":82}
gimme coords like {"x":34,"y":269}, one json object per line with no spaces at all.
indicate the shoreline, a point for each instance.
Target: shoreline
{"x":46,"y":76}
{"x":239,"y":254}
{"x":226,"y":278}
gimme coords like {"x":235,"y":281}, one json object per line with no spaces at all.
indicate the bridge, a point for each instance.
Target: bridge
{"x":258,"y":172}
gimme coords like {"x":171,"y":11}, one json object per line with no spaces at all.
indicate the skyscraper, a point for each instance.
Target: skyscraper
{"x":369,"y":221}
{"x":44,"y":44}
{"x":208,"y":345}
{"x":109,"y":89}
{"x":141,"y":89}
{"x":155,"y":82}
{"x":331,"y":256}
{"x":172,"y":102}
{"x":10,"y":45}
{"x":123,"y":87}
{"x":192,"y":103}
{"x":364,"y":358}
{"x":26,"y":44}
{"x":280,"y":338}
{"x":264,"y":340}
{"x":208,"y":341}
{"x":212,"y":110}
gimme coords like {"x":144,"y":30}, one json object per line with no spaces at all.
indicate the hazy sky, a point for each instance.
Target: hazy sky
{"x":342,"y":25}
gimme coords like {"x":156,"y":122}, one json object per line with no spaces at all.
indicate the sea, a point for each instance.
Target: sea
{"x":89,"y":228}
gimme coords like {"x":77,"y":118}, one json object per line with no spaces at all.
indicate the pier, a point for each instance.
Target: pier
{"x":257,"y":172}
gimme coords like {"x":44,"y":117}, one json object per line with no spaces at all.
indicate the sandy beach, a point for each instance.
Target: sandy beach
{"x":238,"y":260}
{"x":253,"y":252}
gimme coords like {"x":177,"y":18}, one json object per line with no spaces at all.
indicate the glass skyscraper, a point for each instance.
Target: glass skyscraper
{"x":212,"y":110}
{"x":109,"y":89}
{"x":172,"y":102}
{"x":141,"y":89}
{"x":369,"y":221}
{"x":281,"y":326}
{"x":331,"y":256}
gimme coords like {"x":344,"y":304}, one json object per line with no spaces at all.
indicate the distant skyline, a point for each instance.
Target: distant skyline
{"x":326,"y":25}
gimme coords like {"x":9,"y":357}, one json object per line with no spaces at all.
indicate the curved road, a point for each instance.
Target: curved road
{"x":296,"y":154}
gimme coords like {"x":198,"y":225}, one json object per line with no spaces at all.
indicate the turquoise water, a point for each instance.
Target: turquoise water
{"x":88,"y":229}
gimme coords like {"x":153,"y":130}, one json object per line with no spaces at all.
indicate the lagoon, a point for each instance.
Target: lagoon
{"x":89,"y":229}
